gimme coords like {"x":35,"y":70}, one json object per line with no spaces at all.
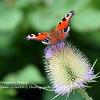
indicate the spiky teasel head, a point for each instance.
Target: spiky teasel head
{"x":67,"y":68}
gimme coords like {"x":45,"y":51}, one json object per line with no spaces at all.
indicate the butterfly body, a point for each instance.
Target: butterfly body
{"x":58,"y":34}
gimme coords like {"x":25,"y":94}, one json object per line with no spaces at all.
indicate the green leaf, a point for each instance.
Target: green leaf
{"x":87,"y":21}
{"x":6,"y":39}
{"x":67,"y":5}
{"x":26,"y":3}
{"x":7,"y":94}
{"x":10,"y":92}
{"x":41,"y":19}
{"x":29,"y":74}
{"x":61,"y":8}
{"x":44,"y":19}
{"x":94,"y":38}
{"x":10,"y":19}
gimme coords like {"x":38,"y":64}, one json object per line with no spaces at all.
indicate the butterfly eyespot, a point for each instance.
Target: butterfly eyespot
{"x":66,"y":30}
{"x":46,"y":41}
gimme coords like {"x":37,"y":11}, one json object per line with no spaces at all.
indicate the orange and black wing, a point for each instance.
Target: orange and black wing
{"x":62,"y":29}
{"x":65,"y":21}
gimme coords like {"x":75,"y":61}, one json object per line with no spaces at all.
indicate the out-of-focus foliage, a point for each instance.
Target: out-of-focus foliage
{"x":7,"y":94}
{"x":73,"y":96}
{"x":33,"y":75}
{"x":22,"y":60}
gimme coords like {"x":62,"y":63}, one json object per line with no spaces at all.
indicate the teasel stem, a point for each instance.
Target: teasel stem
{"x":84,"y":94}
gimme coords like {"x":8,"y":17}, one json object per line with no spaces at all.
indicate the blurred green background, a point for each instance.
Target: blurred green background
{"x":22,"y":60}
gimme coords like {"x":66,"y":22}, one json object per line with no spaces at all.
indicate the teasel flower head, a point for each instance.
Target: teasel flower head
{"x":67,"y":68}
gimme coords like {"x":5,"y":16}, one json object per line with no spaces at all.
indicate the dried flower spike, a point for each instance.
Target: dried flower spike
{"x":67,"y":68}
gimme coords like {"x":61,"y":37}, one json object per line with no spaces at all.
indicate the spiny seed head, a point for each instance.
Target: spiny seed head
{"x":67,"y":68}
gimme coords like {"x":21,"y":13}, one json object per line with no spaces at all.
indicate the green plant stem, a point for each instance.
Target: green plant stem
{"x":84,"y":94}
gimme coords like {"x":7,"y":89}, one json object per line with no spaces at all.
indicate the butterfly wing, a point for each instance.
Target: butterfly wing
{"x":39,"y":37}
{"x":59,"y":33}
{"x":65,"y":21}
{"x":62,"y":29}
